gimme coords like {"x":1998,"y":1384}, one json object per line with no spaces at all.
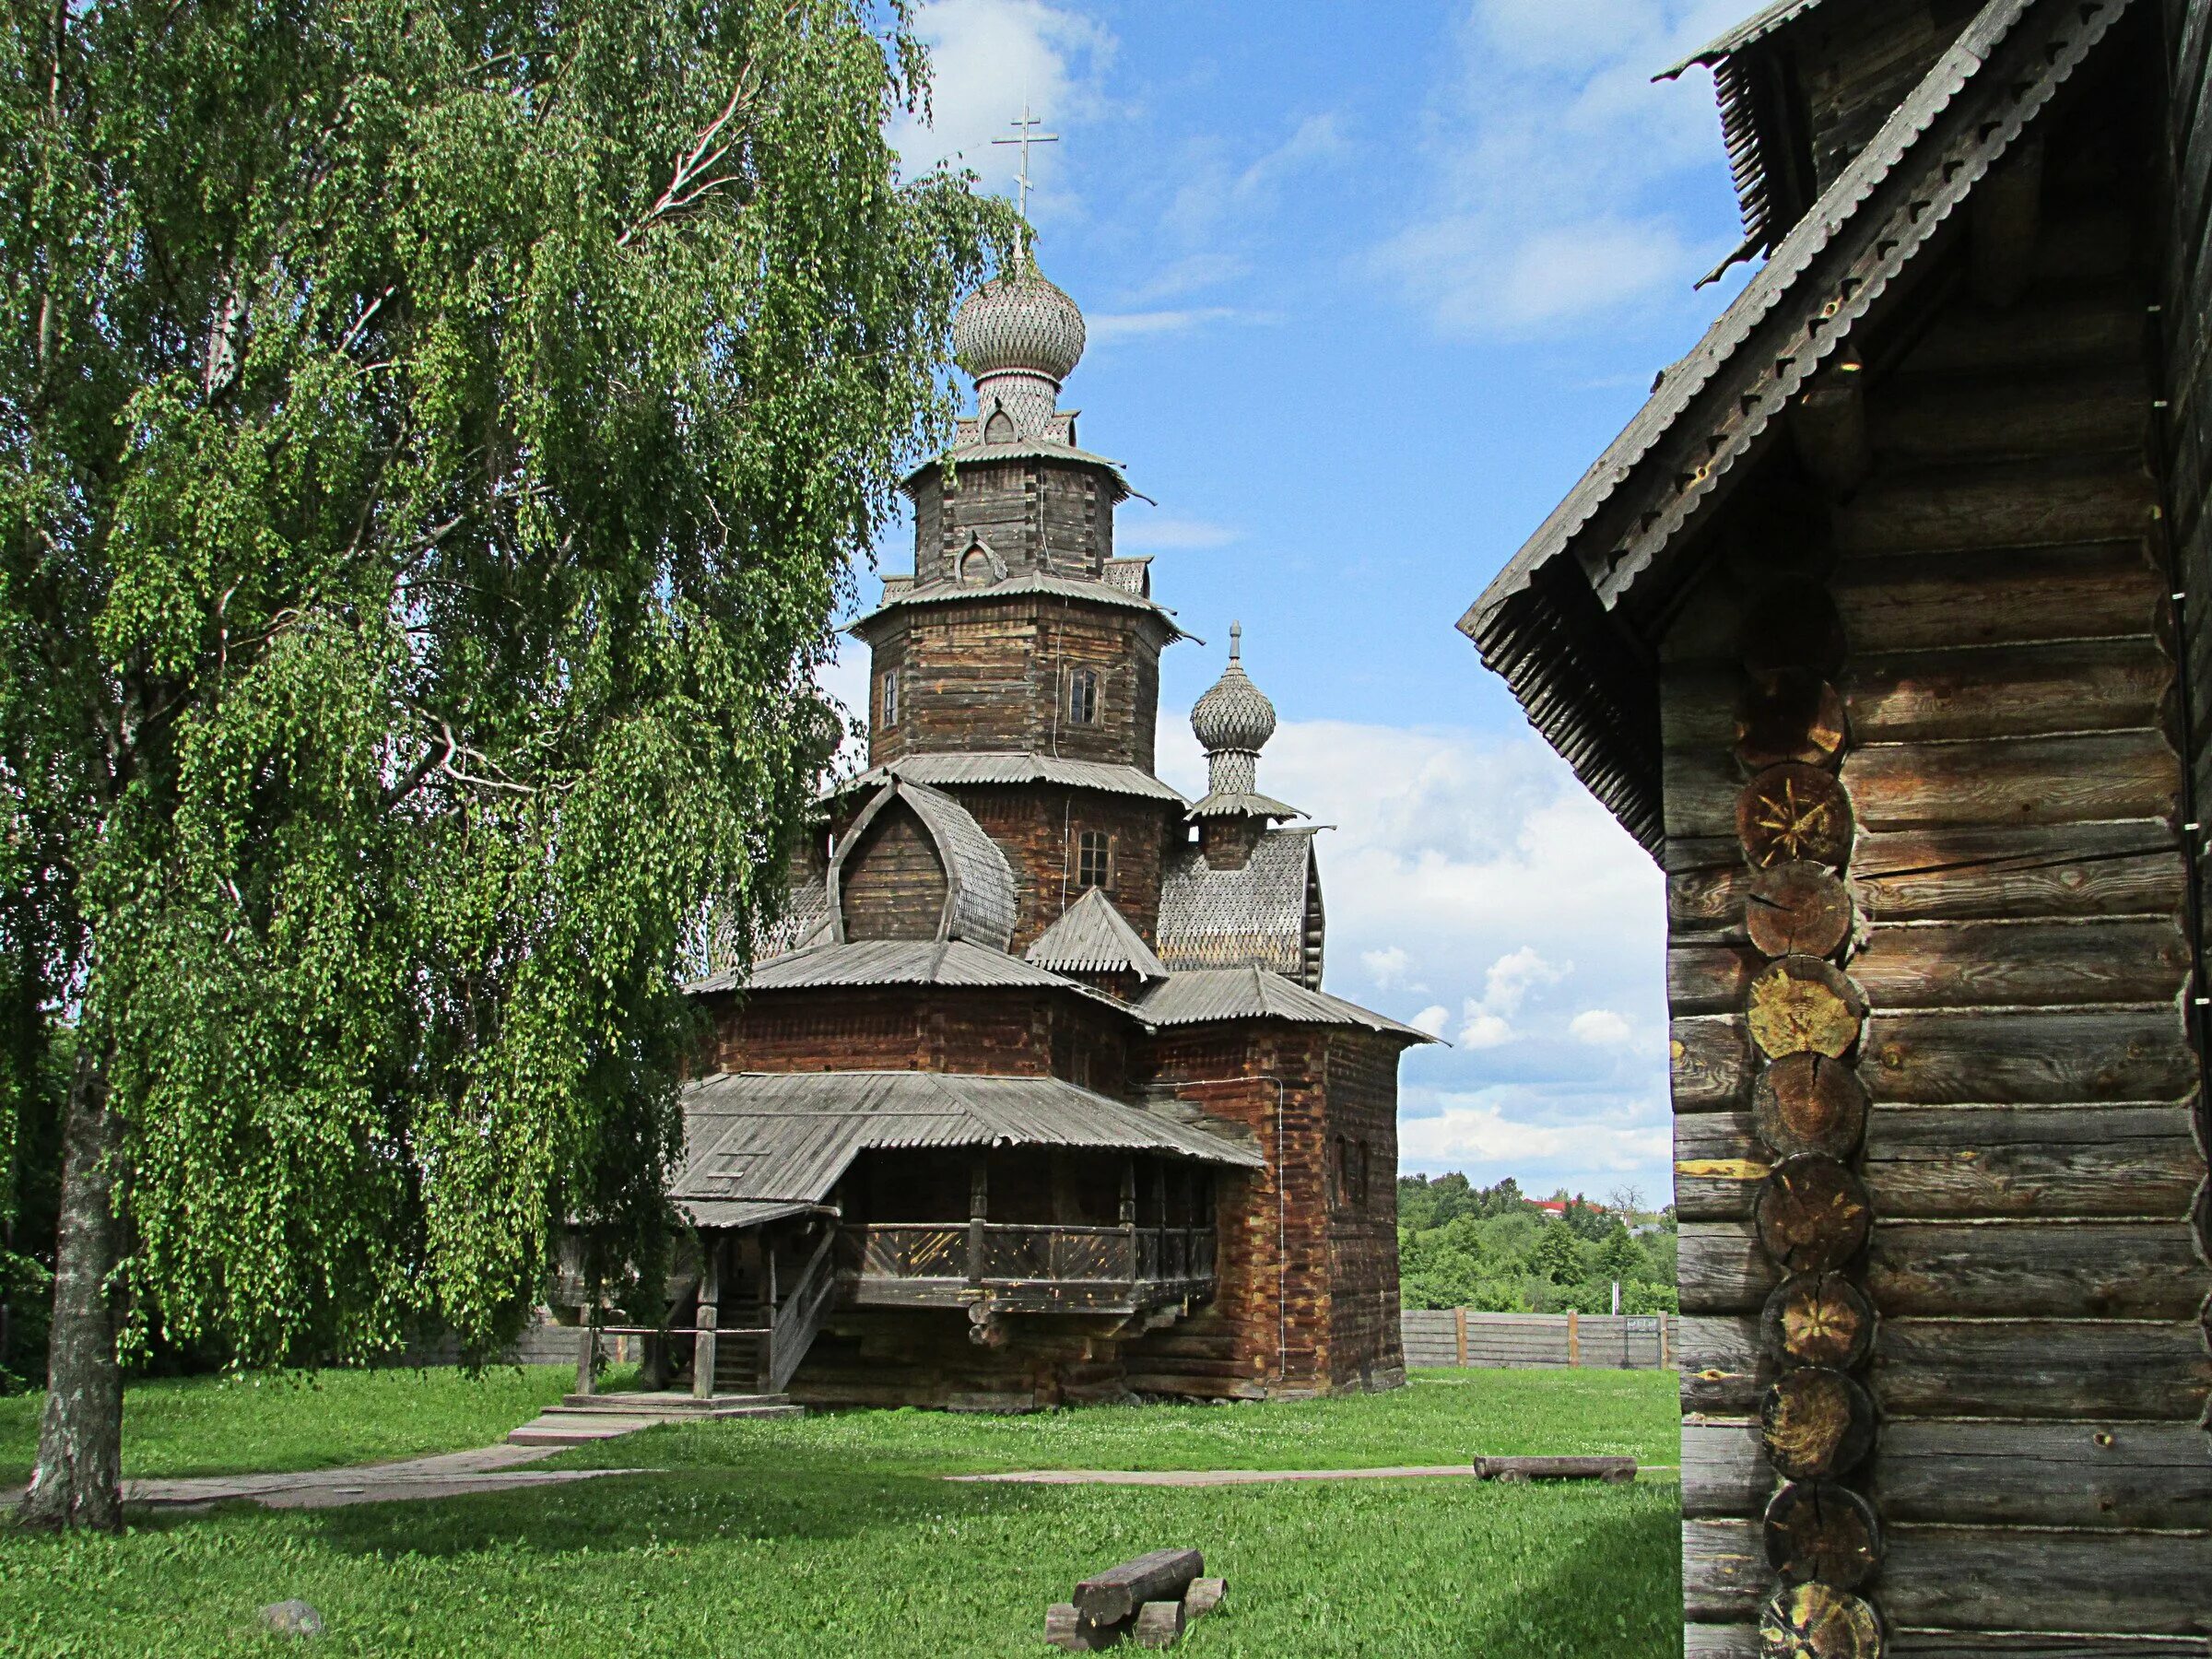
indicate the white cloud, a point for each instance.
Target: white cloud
{"x":1388,"y":966}
{"x":986,"y":58}
{"x":1108,"y":327}
{"x":1511,"y":977}
{"x":1555,"y":168}
{"x":1493,"y":1132}
{"x":1484,"y":1030}
{"x":1162,"y":530}
{"x":1601,"y":1027}
{"x":1432,"y":1019}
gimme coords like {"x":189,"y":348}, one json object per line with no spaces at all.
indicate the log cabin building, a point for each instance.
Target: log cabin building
{"x":1886,"y":626}
{"x":1036,"y":1096}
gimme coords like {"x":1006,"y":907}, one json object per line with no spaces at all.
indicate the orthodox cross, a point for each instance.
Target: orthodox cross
{"x":1021,"y":174}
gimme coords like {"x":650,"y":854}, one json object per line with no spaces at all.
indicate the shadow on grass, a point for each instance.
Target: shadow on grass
{"x":1614,"y":1585}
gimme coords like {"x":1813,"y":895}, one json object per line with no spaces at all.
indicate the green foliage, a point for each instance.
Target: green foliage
{"x":837,"y":1535}
{"x":433,"y":441}
{"x":1493,"y":1253}
{"x":1556,"y":1258}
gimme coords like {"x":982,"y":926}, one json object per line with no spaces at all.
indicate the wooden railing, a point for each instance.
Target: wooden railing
{"x":987,"y":1253}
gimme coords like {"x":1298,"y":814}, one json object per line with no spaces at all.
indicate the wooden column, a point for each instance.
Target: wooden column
{"x":1459,"y":1335}
{"x":1574,"y":1337}
{"x":979,"y":1214}
{"x":587,"y":1349}
{"x":709,"y":1315}
{"x":1129,"y":1213}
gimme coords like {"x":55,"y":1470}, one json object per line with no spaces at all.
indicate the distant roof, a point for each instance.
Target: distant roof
{"x":1242,"y":804}
{"x":1551,"y":622}
{"x":941,"y":770}
{"x":1255,"y":915}
{"x":1092,"y":937}
{"x":890,"y":962}
{"x":1196,"y":997}
{"x":946,"y":590}
{"x":774,"y":1141}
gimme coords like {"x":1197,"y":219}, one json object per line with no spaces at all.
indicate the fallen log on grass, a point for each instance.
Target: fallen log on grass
{"x":1153,"y":1598}
{"x":1613,"y":1471}
{"x":1067,"y":1630}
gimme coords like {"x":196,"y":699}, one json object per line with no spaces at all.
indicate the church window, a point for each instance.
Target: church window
{"x":1094,"y":859}
{"x":1083,"y":697}
{"x":890,"y":700}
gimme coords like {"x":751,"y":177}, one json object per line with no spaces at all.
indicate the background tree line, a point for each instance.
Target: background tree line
{"x":1490,"y":1248}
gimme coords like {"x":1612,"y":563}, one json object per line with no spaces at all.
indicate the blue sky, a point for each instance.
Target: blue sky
{"x":1368,"y":287}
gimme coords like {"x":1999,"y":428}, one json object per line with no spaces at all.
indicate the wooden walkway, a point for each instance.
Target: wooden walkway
{"x":449,"y":1475}
{"x":1222,"y":1477}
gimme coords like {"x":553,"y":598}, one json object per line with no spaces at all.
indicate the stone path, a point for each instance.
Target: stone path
{"x":1212,"y":1477}
{"x":449,"y":1475}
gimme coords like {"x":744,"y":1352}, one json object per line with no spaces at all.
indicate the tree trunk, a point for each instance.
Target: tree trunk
{"x":78,"y":1480}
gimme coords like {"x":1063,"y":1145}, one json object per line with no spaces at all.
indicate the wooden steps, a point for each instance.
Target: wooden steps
{"x":581,"y":1419}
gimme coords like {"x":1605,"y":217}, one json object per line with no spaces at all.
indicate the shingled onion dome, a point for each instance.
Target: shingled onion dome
{"x":1020,"y":335}
{"x":1232,"y":722}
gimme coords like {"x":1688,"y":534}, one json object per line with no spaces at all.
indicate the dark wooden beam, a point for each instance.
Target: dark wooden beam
{"x":2005,"y":214}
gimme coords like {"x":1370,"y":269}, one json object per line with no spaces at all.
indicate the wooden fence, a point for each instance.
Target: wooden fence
{"x":1457,"y":1337}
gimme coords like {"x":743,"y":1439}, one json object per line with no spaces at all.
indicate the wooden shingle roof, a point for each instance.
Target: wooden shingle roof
{"x":1092,"y":937}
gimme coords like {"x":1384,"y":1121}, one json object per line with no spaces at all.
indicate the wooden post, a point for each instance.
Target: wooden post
{"x":1459,"y":1334}
{"x":1574,"y":1337}
{"x":979,"y":1213}
{"x":587,"y":1349}
{"x":709,"y":1315}
{"x":1129,"y":1213}
{"x":1666,"y":1348}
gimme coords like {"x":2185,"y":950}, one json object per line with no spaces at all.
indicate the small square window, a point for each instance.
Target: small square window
{"x":890,"y":699}
{"x":1083,"y":697}
{"x":1094,"y":859}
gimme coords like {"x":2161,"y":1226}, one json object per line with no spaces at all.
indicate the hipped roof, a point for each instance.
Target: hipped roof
{"x":1553,"y":623}
{"x":1092,"y":937}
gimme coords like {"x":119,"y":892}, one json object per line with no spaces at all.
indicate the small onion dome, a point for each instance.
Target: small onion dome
{"x":1019,"y":322}
{"x":1236,"y":714}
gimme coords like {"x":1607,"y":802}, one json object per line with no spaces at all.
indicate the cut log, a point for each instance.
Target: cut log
{"x":2062,"y":780}
{"x":1724,"y":1366}
{"x":2129,"y":868}
{"x":1813,"y":1215}
{"x":1115,"y":1595}
{"x":1724,"y":1472}
{"x":1788,"y":714}
{"x":2020,"y":964}
{"x":1819,"y":1532}
{"x":1718,"y":1166}
{"x":1159,"y":1624}
{"x":1818,"y":1319}
{"x":1067,"y":1630}
{"x":1204,"y":1596}
{"x":2000,"y":596}
{"x":1711,"y":1062}
{"x":2008,"y":690}
{"x":1795,"y":624}
{"x":1613,"y":1471}
{"x":2110,"y":1474}
{"x":2005,"y":1578}
{"x":2102,"y":1269}
{"x":1809,"y":1102}
{"x":1816,"y":1422}
{"x":2061,"y":1056}
{"x":1709,"y":977}
{"x":2053,"y":1161}
{"x":1721,"y":1268}
{"x":1706,"y":884}
{"x":2038,"y":1368}
{"x":1724,"y":1574}
{"x":1813,"y":1622}
{"x":1803,"y":1006}
{"x":2048,"y":501}
{"x":1793,"y":813}
{"x":1797,"y":910}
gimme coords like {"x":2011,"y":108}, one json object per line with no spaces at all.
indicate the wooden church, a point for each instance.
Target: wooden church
{"x":1037,"y":1098}
{"x":1886,"y":626}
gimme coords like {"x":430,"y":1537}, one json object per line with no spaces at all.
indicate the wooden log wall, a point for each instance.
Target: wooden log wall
{"x":1366,"y":1344}
{"x":1939,"y":1127}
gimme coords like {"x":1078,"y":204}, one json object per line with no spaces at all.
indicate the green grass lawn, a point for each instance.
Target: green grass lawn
{"x":837,"y":1535}
{"x":324,"y":1420}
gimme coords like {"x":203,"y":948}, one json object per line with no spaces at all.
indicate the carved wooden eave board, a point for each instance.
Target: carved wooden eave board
{"x":1561,"y":622}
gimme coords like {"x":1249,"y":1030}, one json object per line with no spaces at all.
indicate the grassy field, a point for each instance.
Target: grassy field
{"x":837,"y":1535}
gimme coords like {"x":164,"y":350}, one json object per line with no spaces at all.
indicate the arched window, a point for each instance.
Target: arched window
{"x":999,"y":429}
{"x":1082,"y":696}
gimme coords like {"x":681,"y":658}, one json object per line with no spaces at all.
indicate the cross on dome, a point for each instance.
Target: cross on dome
{"x":1021,"y":170}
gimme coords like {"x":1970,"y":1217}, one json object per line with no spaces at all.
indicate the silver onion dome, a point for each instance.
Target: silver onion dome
{"x":1019,"y":322}
{"x":1234,"y":716}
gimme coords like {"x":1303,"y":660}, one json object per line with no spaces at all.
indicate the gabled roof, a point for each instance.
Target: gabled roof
{"x":1752,"y":29}
{"x":761,"y":1144}
{"x":1212,"y":994}
{"x":888,"y":962}
{"x":1242,"y":804}
{"x":1027,"y":584}
{"x":1255,"y":915}
{"x":1092,"y":937}
{"x":1552,"y":622}
{"x":996,"y":766}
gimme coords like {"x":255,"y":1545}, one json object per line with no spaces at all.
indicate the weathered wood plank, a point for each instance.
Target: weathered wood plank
{"x":1721,"y":1268}
{"x":1718,"y":1163}
{"x":1706,"y":880}
{"x":2009,"y":597}
{"x":1950,"y":965}
{"x":1924,"y":420}
{"x":2014,"y":781}
{"x":1719,"y":1642}
{"x":1711,"y":1062}
{"x":2028,"y":1056}
{"x":1724,"y":1470}
{"x":2003,"y":504}
{"x":1917,"y":1643}
{"x":1700,"y":788}
{"x":1999,"y":1269}
{"x":2095,"y":1474}
{"x":1710,"y":978}
{"x":1724,"y":1571}
{"x":2008,"y":691}
{"x":1970,"y":873}
{"x":2001,"y":1578}
{"x":1724,"y":1365}
{"x":2102,"y":326}
{"x":2051,"y":1161}
{"x":2040,"y":1367}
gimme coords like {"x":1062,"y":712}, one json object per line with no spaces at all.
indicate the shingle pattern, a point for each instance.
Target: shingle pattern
{"x":1092,"y":937}
{"x":1204,"y":994}
{"x":1256,"y":916}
